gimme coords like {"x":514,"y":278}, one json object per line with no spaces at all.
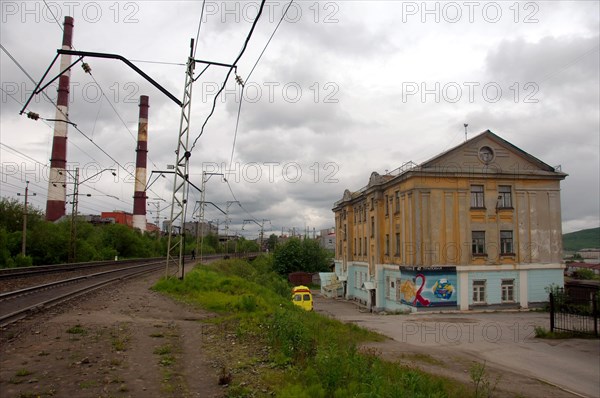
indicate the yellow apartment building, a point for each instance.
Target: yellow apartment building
{"x":478,"y":225}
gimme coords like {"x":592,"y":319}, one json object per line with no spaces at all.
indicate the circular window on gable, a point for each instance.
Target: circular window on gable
{"x":486,"y":154}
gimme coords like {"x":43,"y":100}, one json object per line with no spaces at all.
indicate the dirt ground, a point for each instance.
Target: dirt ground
{"x":123,"y":341}
{"x":128,"y":341}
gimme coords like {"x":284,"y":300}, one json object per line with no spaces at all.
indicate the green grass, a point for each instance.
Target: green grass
{"x":543,"y":333}
{"x":307,"y":354}
{"x":77,"y":329}
{"x":88,"y":384}
{"x":119,"y":339}
{"x":23,"y":373}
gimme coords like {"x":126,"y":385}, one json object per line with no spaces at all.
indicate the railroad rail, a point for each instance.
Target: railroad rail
{"x":24,"y":272}
{"x":18,"y":304}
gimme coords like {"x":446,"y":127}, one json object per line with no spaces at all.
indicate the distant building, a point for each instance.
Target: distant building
{"x":590,"y":255}
{"x":327,"y":239}
{"x":195,"y":228}
{"x":118,"y":217}
{"x":152,"y":227}
{"x":476,"y":226}
{"x":572,"y":268}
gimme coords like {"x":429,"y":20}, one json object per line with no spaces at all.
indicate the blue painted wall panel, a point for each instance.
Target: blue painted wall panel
{"x":493,"y":285}
{"x":539,"y":280}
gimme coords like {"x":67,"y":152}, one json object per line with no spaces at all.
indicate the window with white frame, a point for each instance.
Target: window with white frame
{"x":398,"y":292}
{"x":479,"y":292}
{"x":477,"y":198}
{"x":508,"y":290}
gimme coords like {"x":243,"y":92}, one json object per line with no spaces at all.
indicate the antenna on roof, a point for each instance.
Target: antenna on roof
{"x":466,"y":125}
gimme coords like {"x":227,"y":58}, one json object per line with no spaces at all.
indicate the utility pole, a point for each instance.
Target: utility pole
{"x":156,"y":203}
{"x":73,"y":238}
{"x":200,"y":236}
{"x":75,"y":204}
{"x":179,"y":199}
{"x":181,"y":183}
{"x":262,"y":229}
{"x":24,"y":240}
{"x":229,"y":203}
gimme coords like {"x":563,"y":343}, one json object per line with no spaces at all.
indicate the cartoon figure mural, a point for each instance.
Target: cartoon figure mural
{"x":428,"y":286}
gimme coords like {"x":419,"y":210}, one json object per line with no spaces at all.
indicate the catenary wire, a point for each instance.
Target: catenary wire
{"x":233,"y":66}
{"x":248,"y":78}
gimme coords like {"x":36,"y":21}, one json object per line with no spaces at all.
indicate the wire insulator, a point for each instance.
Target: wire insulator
{"x":33,"y":115}
{"x":239,"y":80}
{"x":86,"y":67}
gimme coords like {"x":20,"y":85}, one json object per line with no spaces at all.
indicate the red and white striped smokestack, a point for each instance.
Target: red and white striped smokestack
{"x":57,"y":190}
{"x":139,"y":196}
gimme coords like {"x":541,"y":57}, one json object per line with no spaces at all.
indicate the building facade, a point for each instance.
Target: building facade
{"x":195,"y":228}
{"x":478,"y":225}
{"x":327,"y":239}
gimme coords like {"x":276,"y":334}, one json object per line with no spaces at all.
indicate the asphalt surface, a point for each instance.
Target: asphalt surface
{"x":504,"y":339}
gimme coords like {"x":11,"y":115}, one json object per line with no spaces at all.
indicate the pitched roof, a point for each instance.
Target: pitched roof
{"x":489,"y":134}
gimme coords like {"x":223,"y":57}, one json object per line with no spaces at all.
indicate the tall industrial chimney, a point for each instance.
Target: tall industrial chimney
{"x":57,"y":182}
{"x":139,"y":196}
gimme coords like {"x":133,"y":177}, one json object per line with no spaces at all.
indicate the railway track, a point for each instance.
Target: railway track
{"x":18,"y":304}
{"x":42,"y":287}
{"x":25,"y":272}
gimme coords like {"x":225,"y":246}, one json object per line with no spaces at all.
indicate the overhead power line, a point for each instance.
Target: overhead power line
{"x":199,"y":26}
{"x":233,"y":66}
{"x":237,"y":123}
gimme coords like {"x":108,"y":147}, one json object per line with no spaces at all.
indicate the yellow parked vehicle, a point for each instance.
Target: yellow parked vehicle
{"x":302,"y":297}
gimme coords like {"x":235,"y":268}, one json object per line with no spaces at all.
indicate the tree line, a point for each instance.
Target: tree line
{"x":49,"y":243}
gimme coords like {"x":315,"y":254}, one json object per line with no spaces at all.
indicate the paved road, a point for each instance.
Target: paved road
{"x":505,"y":339}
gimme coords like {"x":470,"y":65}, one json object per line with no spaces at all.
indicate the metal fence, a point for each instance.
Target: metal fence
{"x":574,"y":311}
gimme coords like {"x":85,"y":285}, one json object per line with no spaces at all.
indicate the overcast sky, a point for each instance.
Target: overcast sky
{"x":343,"y":89}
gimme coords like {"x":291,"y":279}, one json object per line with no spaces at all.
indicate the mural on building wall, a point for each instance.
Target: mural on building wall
{"x":428,"y":286}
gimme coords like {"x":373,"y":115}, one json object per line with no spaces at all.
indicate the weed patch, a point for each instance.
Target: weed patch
{"x":77,"y":329}
{"x":279,"y":349}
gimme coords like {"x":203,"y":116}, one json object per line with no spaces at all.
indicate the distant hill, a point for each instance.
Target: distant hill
{"x":586,"y":238}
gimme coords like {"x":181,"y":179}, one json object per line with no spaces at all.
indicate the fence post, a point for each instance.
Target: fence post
{"x":551,"y":312}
